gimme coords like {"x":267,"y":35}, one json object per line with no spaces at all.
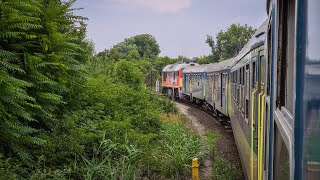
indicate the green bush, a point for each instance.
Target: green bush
{"x":7,"y":167}
{"x":57,"y":99}
{"x":167,"y":105}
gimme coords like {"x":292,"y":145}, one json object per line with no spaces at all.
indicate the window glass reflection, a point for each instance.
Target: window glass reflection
{"x":313,"y":27}
{"x":311,"y":148}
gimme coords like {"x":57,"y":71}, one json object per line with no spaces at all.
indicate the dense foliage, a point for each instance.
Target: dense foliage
{"x":67,"y":114}
{"x":39,"y":51}
{"x":143,"y":45}
{"x":229,"y":43}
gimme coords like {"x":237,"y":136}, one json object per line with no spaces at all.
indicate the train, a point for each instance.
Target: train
{"x":270,"y":93}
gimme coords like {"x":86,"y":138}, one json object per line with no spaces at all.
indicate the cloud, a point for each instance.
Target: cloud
{"x":159,"y":6}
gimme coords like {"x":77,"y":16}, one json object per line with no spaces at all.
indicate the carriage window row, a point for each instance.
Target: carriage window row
{"x":241,"y":86}
{"x":213,"y":81}
{"x":194,"y":76}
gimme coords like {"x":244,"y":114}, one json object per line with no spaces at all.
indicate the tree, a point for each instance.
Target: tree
{"x":229,"y":43}
{"x":205,"y":59}
{"x":214,"y":55}
{"x":40,"y":52}
{"x":145,"y":44}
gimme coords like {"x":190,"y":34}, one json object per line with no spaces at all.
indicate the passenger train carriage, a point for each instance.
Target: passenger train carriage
{"x":270,"y":92}
{"x":194,"y":83}
{"x":218,"y":85}
{"x":247,"y":78}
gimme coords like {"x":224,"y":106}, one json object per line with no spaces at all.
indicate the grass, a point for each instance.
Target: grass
{"x":171,"y":157}
{"x":104,"y":165}
{"x":222,"y":170}
{"x":211,"y":140}
{"x":174,"y":118}
{"x":168,"y":156}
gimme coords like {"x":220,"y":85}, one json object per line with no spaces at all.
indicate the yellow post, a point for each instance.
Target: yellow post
{"x":195,"y":169}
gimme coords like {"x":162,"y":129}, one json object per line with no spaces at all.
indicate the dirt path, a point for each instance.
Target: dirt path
{"x":201,"y":122}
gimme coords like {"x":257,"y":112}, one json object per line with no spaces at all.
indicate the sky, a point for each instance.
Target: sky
{"x":179,"y":26}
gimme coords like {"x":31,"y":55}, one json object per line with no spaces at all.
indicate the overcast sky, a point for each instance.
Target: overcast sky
{"x":180,"y":26}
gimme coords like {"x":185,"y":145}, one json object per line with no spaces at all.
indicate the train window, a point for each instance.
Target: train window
{"x":253,"y":74}
{"x":281,"y":162}
{"x":262,"y":72}
{"x":269,"y":61}
{"x":213,"y":82}
{"x":238,"y":88}
{"x":234,"y":85}
{"x":285,"y":63}
{"x":232,"y":76}
{"x":311,"y":154}
{"x":247,"y":85}
{"x":243,"y":90}
{"x":240,"y":75}
{"x":222,"y":89}
{"x":290,"y":56}
{"x":217,"y":82}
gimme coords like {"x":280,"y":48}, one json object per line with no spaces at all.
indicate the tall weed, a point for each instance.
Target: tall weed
{"x":222,"y":170}
{"x":211,"y":140}
{"x":106,"y":163}
{"x":174,"y":152}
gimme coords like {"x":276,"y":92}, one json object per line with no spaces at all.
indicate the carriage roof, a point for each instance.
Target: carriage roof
{"x":176,"y":67}
{"x":257,"y":40}
{"x":195,"y":69}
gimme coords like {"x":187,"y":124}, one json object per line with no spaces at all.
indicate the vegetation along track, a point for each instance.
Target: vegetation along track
{"x":225,"y":149}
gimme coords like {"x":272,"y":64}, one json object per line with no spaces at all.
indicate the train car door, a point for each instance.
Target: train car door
{"x":223,"y":93}
{"x":225,"y":90}
{"x":191,"y":86}
{"x":267,"y":104}
{"x":218,"y":92}
{"x":213,"y":88}
{"x":261,"y":113}
{"x":253,"y":122}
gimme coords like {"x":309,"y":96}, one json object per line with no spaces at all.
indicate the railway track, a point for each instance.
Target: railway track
{"x":204,"y":121}
{"x":224,"y":121}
